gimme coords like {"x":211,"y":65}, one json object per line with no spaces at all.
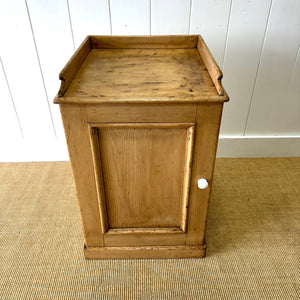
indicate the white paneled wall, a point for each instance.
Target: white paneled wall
{"x":210,"y":18}
{"x":22,"y":69}
{"x":54,"y":43}
{"x":247,"y":27}
{"x":256,"y":43}
{"x":89,"y":17}
{"x":170,"y":16}
{"x":9,"y":121}
{"x":130,"y":17}
{"x":271,"y":110}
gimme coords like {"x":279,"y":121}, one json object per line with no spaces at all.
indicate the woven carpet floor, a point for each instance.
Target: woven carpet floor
{"x":252,"y":236}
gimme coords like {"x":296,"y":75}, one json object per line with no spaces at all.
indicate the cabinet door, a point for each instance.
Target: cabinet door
{"x":143,"y":172}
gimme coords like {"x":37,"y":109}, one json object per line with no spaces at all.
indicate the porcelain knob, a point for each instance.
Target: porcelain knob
{"x":202,"y":183}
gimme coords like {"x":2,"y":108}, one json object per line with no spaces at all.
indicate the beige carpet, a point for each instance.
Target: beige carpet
{"x":252,"y":235}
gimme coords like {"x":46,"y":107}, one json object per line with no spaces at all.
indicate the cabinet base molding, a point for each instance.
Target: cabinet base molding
{"x":145,"y":252}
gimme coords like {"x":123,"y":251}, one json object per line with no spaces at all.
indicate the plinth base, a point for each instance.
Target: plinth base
{"x":145,"y":252}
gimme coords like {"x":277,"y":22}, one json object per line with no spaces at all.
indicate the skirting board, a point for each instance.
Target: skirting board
{"x":25,"y":150}
{"x":259,"y":146}
{"x":56,"y":150}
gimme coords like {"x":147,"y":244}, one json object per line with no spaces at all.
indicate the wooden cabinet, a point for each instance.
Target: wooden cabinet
{"x":141,"y":118}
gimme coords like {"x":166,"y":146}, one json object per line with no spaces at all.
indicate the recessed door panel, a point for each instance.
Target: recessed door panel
{"x":145,"y":171}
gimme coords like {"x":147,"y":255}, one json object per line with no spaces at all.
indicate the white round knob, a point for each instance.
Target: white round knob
{"x":202,"y":184}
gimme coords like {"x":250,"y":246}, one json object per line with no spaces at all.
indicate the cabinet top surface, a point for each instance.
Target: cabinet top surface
{"x":141,"y":75}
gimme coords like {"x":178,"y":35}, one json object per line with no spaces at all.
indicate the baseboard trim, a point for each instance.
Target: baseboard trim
{"x":25,"y":150}
{"x":259,"y":146}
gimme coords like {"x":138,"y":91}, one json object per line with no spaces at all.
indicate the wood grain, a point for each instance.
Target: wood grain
{"x":141,"y":113}
{"x":211,"y":65}
{"x":81,"y":157}
{"x":142,"y":76}
{"x":144,"y":171}
{"x":68,"y":73}
{"x":143,"y":125}
{"x":145,"y":239}
{"x":206,"y":140}
{"x":98,"y":177}
{"x":143,"y":230}
{"x":143,"y":42}
{"x":145,"y":252}
{"x":187,"y":176}
{"x":138,"y":144}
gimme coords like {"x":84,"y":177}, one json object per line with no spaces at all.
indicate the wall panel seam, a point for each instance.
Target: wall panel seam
{"x":258,"y":68}
{"x":71,"y":26}
{"x":190,"y":16}
{"x":110,"y":21}
{"x":11,"y":97}
{"x":150,"y":17}
{"x":40,"y":68}
{"x":226,"y":39}
{"x":294,"y":67}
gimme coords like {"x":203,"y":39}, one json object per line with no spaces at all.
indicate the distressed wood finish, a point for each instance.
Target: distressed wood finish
{"x":108,"y":70}
{"x":134,"y":75}
{"x":187,"y":176}
{"x":145,"y":252}
{"x":81,"y":157}
{"x":151,"y":238}
{"x":211,"y":65}
{"x":142,"y":113}
{"x":141,"y":117}
{"x":143,"y":164}
{"x":71,"y":68}
{"x":207,"y":132}
{"x":99,"y":177}
{"x":142,"y":42}
{"x":144,"y":236}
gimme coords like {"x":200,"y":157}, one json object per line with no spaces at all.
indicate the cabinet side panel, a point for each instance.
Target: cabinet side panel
{"x":80,"y":151}
{"x":206,"y":140}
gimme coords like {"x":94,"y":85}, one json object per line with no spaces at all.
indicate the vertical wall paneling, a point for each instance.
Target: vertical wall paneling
{"x":292,"y":121}
{"x":53,"y":38}
{"x":21,"y":65}
{"x":210,"y":19}
{"x":247,"y":27}
{"x":89,"y":17}
{"x":170,"y":16}
{"x":9,"y":123}
{"x":255,"y":41}
{"x":274,"y":110}
{"x":130,"y":17}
